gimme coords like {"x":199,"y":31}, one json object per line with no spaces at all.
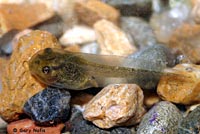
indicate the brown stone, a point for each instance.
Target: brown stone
{"x":29,"y":127}
{"x":185,"y":39}
{"x":18,"y":84}
{"x":183,"y":87}
{"x":73,"y":48}
{"x":81,"y":99}
{"x":112,"y":40}
{"x":22,"y":16}
{"x":150,"y":98}
{"x":93,"y":10}
{"x":116,"y":105}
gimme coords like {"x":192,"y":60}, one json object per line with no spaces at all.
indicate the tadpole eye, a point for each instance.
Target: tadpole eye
{"x":46,"y":69}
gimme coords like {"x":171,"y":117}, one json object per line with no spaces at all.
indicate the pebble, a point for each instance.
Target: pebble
{"x":154,"y":59}
{"x":80,"y":98}
{"x":6,"y":42}
{"x":185,"y":40}
{"x":92,"y":48}
{"x":196,"y":12}
{"x":166,"y":22}
{"x":18,"y":84}
{"x":140,"y":8}
{"x":30,"y":15}
{"x":150,"y":98}
{"x":191,"y":123}
{"x":3,"y":64}
{"x":116,"y":105}
{"x":183,"y":87}
{"x":98,"y":10}
{"x":73,"y":48}
{"x":77,"y":125}
{"x":112,"y":40}
{"x":163,"y":118}
{"x":3,"y":126}
{"x":54,"y":25}
{"x":139,"y":30}
{"x":27,"y":126}
{"x":78,"y":34}
{"x":50,"y":106}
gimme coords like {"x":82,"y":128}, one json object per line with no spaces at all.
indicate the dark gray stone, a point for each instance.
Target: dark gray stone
{"x":191,"y":123}
{"x":132,"y":7}
{"x":54,"y":25}
{"x":77,"y":125}
{"x":150,"y":63}
{"x":163,"y":118}
{"x":139,"y":30}
{"x":48,"y":106}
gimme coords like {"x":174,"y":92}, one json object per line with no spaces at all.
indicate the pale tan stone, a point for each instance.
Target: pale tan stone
{"x":185,"y":39}
{"x":183,"y":87}
{"x":73,"y":48}
{"x":18,"y":84}
{"x":91,"y":11}
{"x":116,"y":105}
{"x":22,"y":16}
{"x":196,"y":11}
{"x":112,"y":40}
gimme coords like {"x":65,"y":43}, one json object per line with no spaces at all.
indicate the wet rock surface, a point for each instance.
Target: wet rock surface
{"x":139,"y":30}
{"x":163,"y":118}
{"x":77,"y":125}
{"x":18,"y":84}
{"x":191,"y":123}
{"x":48,"y":106}
{"x":183,"y":87}
{"x":116,"y":105}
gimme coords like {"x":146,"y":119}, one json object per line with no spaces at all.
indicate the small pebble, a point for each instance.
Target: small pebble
{"x":27,"y":126}
{"x":139,"y":30}
{"x":191,"y":123}
{"x":112,"y":40}
{"x":150,"y":98}
{"x":92,"y":48}
{"x":77,"y":125}
{"x":91,"y":11}
{"x":163,"y":118}
{"x":78,"y":34}
{"x":183,"y":87}
{"x":140,"y":8}
{"x":185,"y":40}
{"x":30,"y":15}
{"x":49,"y":106}
{"x":116,"y":105}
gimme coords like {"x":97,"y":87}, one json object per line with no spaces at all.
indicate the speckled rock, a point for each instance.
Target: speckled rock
{"x":191,"y":123}
{"x":166,"y":22}
{"x":78,"y":34}
{"x":139,"y":30}
{"x":77,"y":125}
{"x":18,"y":84}
{"x":3,"y":64}
{"x":154,"y":59}
{"x":112,"y":40}
{"x":185,"y":40}
{"x":140,"y":8}
{"x":116,"y":105}
{"x":182,"y":88}
{"x":30,"y":15}
{"x":49,"y":106}
{"x":28,"y":126}
{"x":163,"y":118}
{"x":91,"y":11}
